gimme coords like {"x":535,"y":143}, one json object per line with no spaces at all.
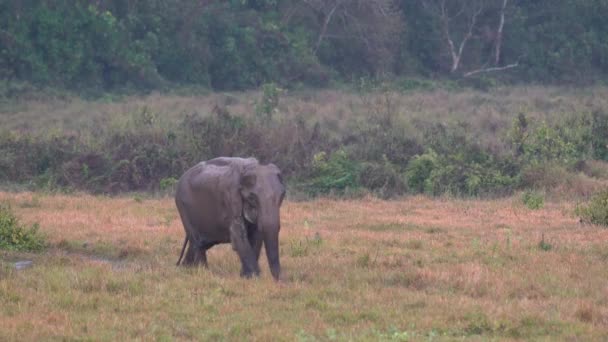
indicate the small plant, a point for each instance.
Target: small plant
{"x":364,"y":260}
{"x":596,"y":212}
{"x":301,"y":248}
{"x":543,"y":245}
{"x":336,"y":173}
{"x":270,"y":101}
{"x":167,"y":185}
{"x":17,"y":237}
{"x":533,"y":200}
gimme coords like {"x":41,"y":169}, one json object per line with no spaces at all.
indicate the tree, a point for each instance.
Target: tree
{"x":370,"y":27}
{"x":463,"y":21}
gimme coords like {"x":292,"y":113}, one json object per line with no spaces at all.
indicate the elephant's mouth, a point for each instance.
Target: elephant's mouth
{"x":248,"y":218}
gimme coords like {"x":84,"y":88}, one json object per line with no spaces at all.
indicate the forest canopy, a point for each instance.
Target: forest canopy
{"x":241,"y":44}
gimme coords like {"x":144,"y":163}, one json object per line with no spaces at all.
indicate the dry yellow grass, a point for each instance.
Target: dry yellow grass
{"x":412,"y":269}
{"x":487,"y":112}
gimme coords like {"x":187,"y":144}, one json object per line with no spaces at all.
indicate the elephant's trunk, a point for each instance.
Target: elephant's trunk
{"x":271,"y":243}
{"x":270,"y":225}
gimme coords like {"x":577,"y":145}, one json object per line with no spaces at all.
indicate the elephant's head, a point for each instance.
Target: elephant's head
{"x":262,"y":191}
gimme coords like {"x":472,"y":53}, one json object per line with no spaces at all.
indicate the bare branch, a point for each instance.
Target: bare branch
{"x":444,"y":17}
{"x":467,"y":37}
{"x":289,"y":13}
{"x":493,"y":69}
{"x":325,"y":24}
{"x":501,"y":25}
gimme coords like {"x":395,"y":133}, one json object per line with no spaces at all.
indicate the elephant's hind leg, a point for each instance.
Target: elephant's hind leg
{"x":190,"y":257}
{"x":201,"y":254}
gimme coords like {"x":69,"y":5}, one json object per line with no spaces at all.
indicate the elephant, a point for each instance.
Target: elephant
{"x":231,"y":200}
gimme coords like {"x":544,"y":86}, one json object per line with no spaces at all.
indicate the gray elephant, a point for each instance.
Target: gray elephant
{"x":232,"y":200}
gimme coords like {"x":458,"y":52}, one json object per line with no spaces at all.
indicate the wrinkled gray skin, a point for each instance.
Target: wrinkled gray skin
{"x":232,"y":200}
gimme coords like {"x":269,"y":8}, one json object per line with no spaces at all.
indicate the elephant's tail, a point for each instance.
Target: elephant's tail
{"x":182,"y":253}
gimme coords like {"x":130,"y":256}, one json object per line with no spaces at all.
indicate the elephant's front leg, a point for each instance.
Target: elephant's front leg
{"x":255,"y":240}
{"x":240,"y":243}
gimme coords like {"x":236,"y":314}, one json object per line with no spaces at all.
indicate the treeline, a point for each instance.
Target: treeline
{"x":239,"y":44}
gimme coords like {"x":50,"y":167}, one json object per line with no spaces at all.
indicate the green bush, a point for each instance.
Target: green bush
{"x":599,"y":135}
{"x":269,"y":102}
{"x":596,"y":211}
{"x":460,"y":166}
{"x":167,"y":185}
{"x":419,"y":171}
{"x":17,"y":237}
{"x":533,"y":200}
{"x":334,"y":174}
{"x":455,"y":175}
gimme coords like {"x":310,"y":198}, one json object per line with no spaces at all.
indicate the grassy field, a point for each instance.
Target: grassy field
{"x":411,"y":269}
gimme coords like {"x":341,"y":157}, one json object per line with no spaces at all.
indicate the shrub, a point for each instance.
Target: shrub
{"x":334,"y":174}
{"x":269,"y":102}
{"x":419,"y":170}
{"x":459,"y":165}
{"x":532,"y":200}
{"x":545,"y":176}
{"x":599,"y":135}
{"x":17,"y":237}
{"x":457,"y":176}
{"x":383,"y":179}
{"x":565,"y":143}
{"x":167,"y":184}
{"x":596,"y":211}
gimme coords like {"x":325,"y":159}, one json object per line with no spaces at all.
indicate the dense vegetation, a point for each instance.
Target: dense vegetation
{"x":378,"y":47}
{"x":238,"y":44}
{"x":369,"y":141}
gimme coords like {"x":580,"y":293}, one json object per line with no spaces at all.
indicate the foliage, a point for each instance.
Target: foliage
{"x":533,"y":200}
{"x":596,"y":211}
{"x":459,"y":166}
{"x":269,"y":103}
{"x":17,"y":237}
{"x":335,"y":173}
{"x":97,"y":46}
{"x":167,"y":185}
{"x":466,"y":174}
{"x":599,"y":135}
{"x":376,"y":149}
{"x":419,"y":171}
